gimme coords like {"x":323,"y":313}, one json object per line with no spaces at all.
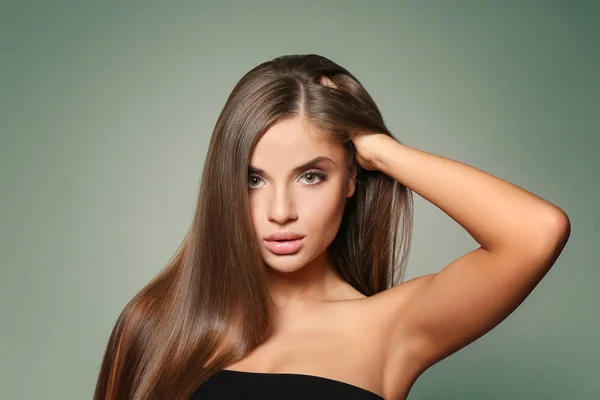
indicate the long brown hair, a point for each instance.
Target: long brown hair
{"x":208,"y":307}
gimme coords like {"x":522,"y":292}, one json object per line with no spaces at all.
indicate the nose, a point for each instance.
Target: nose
{"x":282,"y":207}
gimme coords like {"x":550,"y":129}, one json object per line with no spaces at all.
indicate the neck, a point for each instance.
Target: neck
{"x":315,"y":282}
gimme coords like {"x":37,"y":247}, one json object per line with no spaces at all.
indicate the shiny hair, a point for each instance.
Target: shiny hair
{"x":207,"y":308}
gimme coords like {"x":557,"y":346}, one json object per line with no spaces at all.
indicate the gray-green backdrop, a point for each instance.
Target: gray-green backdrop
{"x":107,"y":107}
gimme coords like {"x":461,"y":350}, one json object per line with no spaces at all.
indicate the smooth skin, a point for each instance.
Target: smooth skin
{"x":520,"y":235}
{"x":382,"y":343}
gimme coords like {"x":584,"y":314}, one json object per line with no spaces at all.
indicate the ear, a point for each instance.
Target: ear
{"x":351,"y":181}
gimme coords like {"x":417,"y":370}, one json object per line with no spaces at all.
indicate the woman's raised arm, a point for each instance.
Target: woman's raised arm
{"x":520,"y":237}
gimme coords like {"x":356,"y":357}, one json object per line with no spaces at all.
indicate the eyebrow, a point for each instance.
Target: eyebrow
{"x":310,"y":164}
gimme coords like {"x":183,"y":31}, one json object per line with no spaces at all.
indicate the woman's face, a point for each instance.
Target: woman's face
{"x":287,"y":194}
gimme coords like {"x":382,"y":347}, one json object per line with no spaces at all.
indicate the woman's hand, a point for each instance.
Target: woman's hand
{"x":366,"y":144}
{"x":367,"y":147}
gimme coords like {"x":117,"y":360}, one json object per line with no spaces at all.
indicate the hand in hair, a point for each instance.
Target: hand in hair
{"x":365,"y":143}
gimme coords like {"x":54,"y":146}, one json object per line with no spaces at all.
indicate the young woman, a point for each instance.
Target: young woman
{"x":289,"y":282}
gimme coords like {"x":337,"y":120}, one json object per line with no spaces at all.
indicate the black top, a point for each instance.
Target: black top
{"x":242,"y":385}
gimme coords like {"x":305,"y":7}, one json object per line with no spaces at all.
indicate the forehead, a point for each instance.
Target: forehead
{"x":291,"y":142}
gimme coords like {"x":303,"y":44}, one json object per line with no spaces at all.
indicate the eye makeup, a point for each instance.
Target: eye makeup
{"x":321,"y":176}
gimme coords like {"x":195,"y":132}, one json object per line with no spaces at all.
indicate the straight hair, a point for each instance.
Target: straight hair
{"x":207,"y":308}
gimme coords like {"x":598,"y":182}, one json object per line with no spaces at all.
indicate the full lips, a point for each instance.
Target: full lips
{"x":285,"y":246}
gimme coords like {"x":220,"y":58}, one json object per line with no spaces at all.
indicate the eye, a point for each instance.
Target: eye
{"x":314,"y":177}
{"x":310,"y":178}
{"x":253,"y":181}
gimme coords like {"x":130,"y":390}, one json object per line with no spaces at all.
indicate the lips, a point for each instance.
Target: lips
{"x":281,"y":236}
{"x":284,"y":243}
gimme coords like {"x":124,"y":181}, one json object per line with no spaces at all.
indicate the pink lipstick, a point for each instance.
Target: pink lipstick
{"x":282,"y":243}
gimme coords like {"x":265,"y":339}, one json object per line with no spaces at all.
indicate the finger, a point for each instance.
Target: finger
{"x":325,"y":81}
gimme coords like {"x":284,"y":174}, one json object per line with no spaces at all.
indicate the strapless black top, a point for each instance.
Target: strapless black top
{"x":240,"y":385}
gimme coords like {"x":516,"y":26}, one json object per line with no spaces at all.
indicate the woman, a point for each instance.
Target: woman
{"x":288,"y":282}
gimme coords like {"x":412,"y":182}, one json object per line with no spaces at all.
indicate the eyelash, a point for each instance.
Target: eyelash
{"x":319,"y":174}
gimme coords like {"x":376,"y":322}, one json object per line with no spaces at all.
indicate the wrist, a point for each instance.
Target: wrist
{"x":381,"y":144}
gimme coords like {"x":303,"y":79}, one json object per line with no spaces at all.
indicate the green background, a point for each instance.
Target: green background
{"x":106,"y":111}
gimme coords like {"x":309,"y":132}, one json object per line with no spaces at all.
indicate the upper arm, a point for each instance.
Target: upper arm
{"x":433,"y":316}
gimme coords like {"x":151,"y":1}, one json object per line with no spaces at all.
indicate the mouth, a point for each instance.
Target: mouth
{"x":283,"y":236}
{"x":284,"y":247}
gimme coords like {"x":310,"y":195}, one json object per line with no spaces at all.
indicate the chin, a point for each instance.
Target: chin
{"x":287,"y":263}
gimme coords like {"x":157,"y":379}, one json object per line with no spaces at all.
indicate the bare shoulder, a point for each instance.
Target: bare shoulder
{"x":380,"y":314}
{"x":387,"y":303}
{"x":401,"y":291}
{"x":377,"y":311}
{"x":386,"y":306}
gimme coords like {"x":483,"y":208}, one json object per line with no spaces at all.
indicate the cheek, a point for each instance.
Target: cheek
{"x":257,"y":213}
{"x":321,"y":213}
